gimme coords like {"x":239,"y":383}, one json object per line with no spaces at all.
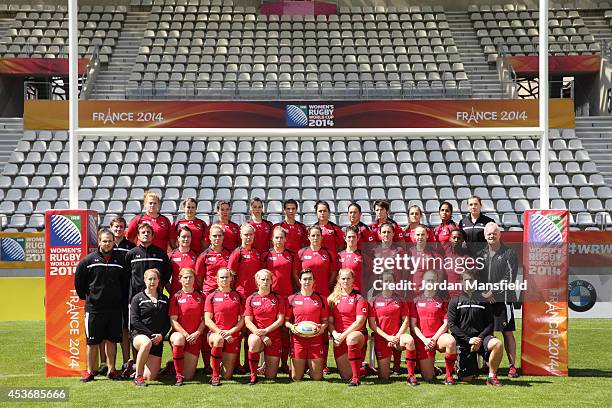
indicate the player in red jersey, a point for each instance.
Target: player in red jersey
{"x":381,"y":210}
{"x":182,"y":257}
{"x":199,"y":229}
{"x":307,"y":305}
{"x":348,"y":314}
{"x":429,"y":325}
{"x":364,"y":234}
{"x":231,"y":236}
{"x":332,"y":235}
{"x":415,"y":214}
{"x":461,"y":261}
{"x":224,"y":312}
{"x":160,"y":224}
{"x":187,"y":320}
{"x":264,"y":317}
{"x":424,"y":257}
{"x":284,"y":265}
{"x":214,"y":257}
{"x":447,"y":225}
{"x":389,"y":319}
{"x":321,"y":261}
{"x":352,"y":258}
{"x":263,"y":228}
{"x":297,"y":233}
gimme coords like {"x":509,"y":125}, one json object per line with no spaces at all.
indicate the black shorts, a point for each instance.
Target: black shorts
{"x":503,"y":317}
{"x":156,"y":351}
{"x":103,"y":326}
{"x":467,"y":360}
{"x":125,"y":312}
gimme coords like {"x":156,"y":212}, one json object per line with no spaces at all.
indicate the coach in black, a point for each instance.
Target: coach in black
{"x":99,"y":280}
{"x":146,"y":256}
{"x":500,"y":264}
{"x":472,"y":225}
{"x":470,"y":319}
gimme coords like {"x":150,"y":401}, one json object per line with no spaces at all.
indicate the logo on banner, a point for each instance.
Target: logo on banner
{"x":310,"y":115}
{"x":65,"y":230}
{"x":546,"y":229}
{"x":12,"y":249}
{"x":582,"y":296}
{"x":93,"y":230}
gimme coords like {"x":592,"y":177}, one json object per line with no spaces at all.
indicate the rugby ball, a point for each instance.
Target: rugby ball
{"x":306,"y":329}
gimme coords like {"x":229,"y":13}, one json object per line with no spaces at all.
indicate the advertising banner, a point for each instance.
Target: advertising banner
{"x":558,"y":65}
{"x":69,"y":236}
{"x":545,"y":268}
{"x":38,"y":66}
{"x":22,"y":250}
{"x":40,"y":115}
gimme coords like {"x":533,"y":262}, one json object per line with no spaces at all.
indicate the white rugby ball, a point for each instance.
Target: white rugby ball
{"x":306,"y":329}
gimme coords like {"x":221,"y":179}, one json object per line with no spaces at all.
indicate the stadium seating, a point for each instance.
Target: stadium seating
{"x":115,"y":172}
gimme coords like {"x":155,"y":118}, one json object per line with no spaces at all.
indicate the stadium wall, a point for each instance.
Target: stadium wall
{"x":11,"y":103}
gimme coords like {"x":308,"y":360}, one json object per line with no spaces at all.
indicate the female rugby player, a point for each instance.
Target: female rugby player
{"x":263,"y":228}
{"x":160,"y":224}
{"x":198,"y":228}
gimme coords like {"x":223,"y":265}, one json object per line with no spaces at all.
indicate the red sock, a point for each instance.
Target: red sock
{"x":354,"y":355}
{"x":253,"y":362}
{"x":410,"y":361}
{"x":205,"y":353}
{"x":178,"y":356}
{"x":325,"y":350}
{"x":397,"y":359}
{"x":449,"y":363}
{"x":215,"y":358}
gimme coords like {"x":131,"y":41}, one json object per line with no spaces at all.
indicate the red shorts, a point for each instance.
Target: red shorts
{"x":195,"y":347}
{"x":382,"y":348}
{"x":276,"y":348}
{"x":307,"y":348}
{"x":342,"y":349}
{"x":423,"y":354}
{"x":233,"y":347}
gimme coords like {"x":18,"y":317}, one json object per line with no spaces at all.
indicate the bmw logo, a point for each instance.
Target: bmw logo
{"x":582,"y":296}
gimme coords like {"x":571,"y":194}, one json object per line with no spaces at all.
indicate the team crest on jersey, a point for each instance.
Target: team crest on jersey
{"x":364,"y":309}
{"x":324,"y":257}
{"x":351,"y":301}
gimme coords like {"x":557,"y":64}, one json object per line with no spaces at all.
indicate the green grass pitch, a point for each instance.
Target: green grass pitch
{"x":589,"y":384}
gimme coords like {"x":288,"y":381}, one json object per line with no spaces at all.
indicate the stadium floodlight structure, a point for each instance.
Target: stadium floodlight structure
{"x":541,"y":130}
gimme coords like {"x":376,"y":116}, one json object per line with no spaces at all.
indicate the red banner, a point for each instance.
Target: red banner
{"x":545,"y":265}
{"x":69,"y":236}
{"x":234,"y":114}
{"x":38,"y":66}
{"x":557,"y":65}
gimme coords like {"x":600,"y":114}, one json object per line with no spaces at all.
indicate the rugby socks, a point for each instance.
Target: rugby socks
{"x":215,"y":358}
{"x":397,"y":359}
{"x":410,"y":361}
{"x":253,"y":362}
{"x":178,"y":356}
{"x":354,"y":355}
{"x":449,"y":363}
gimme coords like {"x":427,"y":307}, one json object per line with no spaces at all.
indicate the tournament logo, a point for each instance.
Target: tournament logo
{"x":297,"y":115}
{"x":546,"y":229}
{"x":65,"y":230}
{"x":92,"y":224}
{"x":12,"y":249}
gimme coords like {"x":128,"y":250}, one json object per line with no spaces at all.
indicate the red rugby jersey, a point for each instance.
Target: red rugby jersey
{"x":199,"y":232}
{"x":389,"y":311}
{"x":356,"y":262}
{"x":301,"y":308}
{"x":409,"y":235}
{"x":430,"y":313}
{"x":443,"y":231}
{"x":161,"y":229}
{"x":265,"y":310}
{"x":189,"y":307}
{"x":226,"y":308}
{"x":296,"y":234}
{"x":365,"y":235}
{"x":207,"y":265}
{"x":323,"y":264}
{"x":231,"y":235}
{"x":398,"y":235}
{"x":263,"y":235}
{"x":347,"y":309}
{"x":246,"y":263}
{"x":283,"y":265}
{"x":180,"y":260}
{"x":333,"y":237}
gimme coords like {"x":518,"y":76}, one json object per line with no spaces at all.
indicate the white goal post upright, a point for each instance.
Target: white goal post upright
{"x":541,"y":130}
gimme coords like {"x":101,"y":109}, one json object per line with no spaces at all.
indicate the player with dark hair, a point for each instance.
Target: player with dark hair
{"x":264,"y":316}
{"x":348,"y":314}
{"x":470,"y":319}
{"x":447,"y":225}
{"x":381,"y":210}
{"x":297,"y":233}
{"x":224,"y":318}
{"x":307,"y":305}
{"x":332,"y":235}
{"x":473,"y":224}
{"x":100,"y":280}
{"x":198,"y":228}
{"x":429,"y":325}
{"x":263,"y":227}
{"x":415,"y":216}
{"x":461,"y":260}
{"x":159,"y":223}
{"x":231,"y":230}
{"x":352,"y":257}
{"x":187,"y":320}
{"x":182,"y":257}
{"x":364,"y":234}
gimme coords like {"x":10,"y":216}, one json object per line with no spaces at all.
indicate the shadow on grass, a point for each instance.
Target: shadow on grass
{"x":589,"y":372}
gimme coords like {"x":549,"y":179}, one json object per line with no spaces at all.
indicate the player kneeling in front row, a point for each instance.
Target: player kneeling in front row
{"x":470,"y":318}
{"x":349,"y":311}
{"x":187,"y":320}
{"x":389,"y":320}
